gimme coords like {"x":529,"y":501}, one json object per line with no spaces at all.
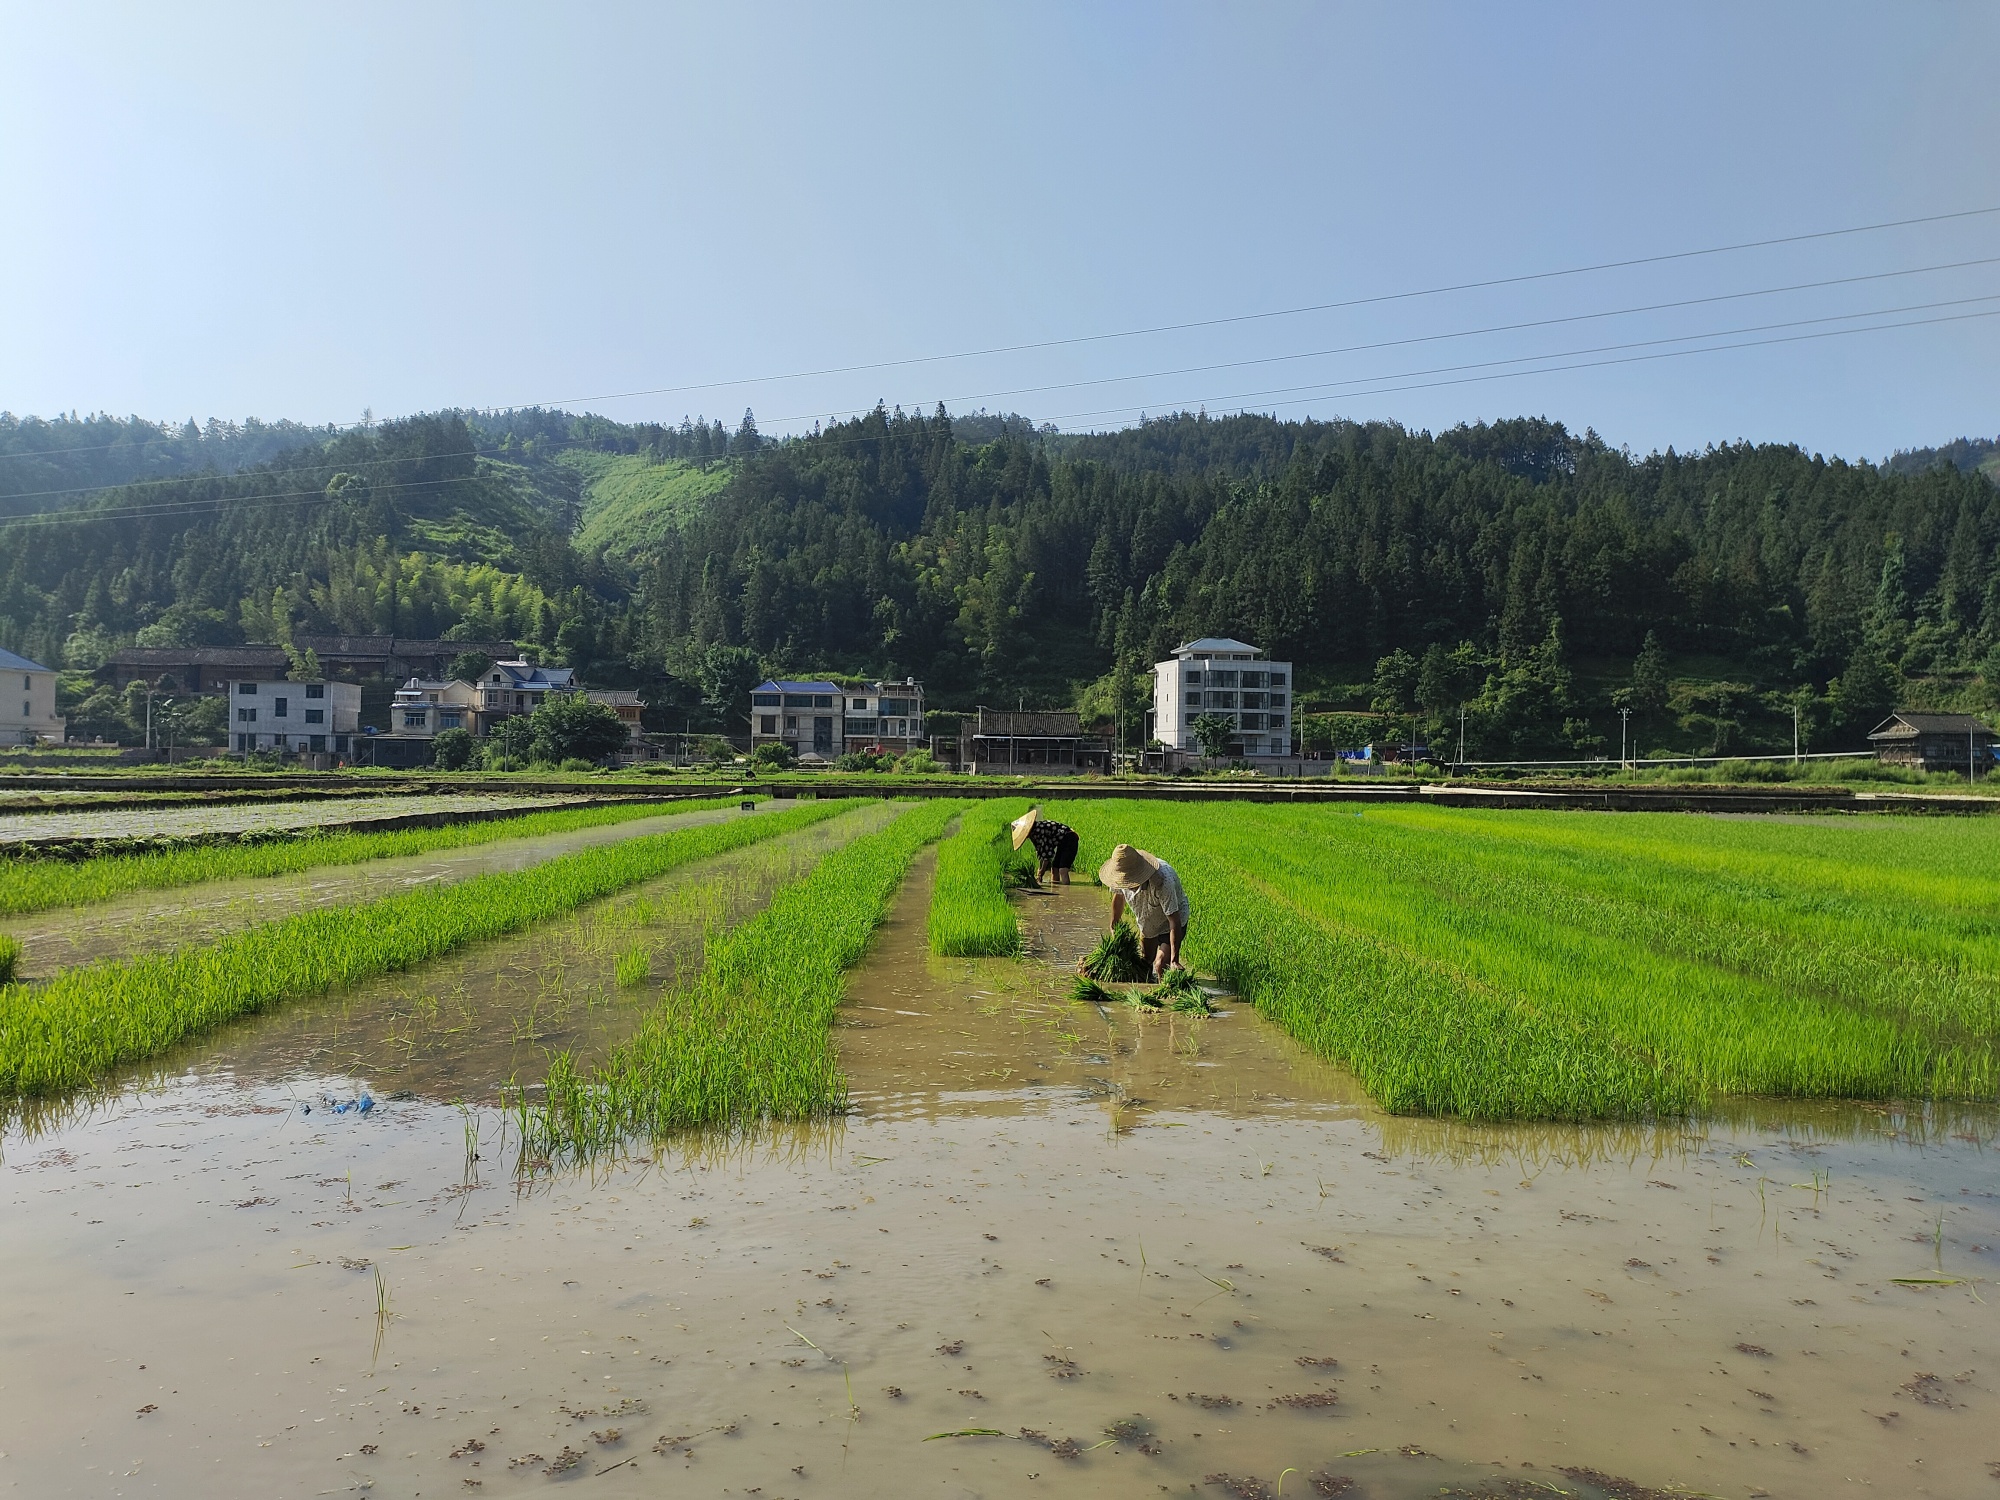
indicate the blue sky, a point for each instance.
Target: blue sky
{"x":305,"y":212}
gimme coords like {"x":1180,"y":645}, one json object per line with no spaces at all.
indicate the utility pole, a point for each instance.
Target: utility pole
{"x":1461,"y":737}
{"x":1625,"y":738}
{"x":1795,"y":731}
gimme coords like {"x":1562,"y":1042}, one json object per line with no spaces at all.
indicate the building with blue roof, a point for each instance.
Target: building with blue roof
{"x":28,"y":703}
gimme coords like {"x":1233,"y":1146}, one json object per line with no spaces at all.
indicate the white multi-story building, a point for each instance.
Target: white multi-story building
{"x":314,"y":718}
{"x":30,"y":687}
{"x":1215,"y":675}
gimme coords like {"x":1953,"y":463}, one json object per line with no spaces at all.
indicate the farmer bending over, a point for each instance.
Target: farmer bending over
{"x":1055,"y":845}
{"x":1149,"y":886}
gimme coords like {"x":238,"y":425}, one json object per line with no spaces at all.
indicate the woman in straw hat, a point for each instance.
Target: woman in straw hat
{"x":1055,"y":845}
{"x":1148,"y":885}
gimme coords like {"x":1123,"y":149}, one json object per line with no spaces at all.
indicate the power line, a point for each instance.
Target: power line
{"x":1719,"y":333}
{"x":214,"y":506}
{"x":1796,"y":338}
{"x":476,"y":451}
{"x":1283,"y":312}
{"x":1130,"y":333}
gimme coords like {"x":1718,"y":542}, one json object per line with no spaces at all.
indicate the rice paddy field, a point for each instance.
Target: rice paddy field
{"x":794,"y":1152}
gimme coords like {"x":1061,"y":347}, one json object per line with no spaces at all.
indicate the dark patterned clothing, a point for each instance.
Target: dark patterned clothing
{"x":1055,"y":844}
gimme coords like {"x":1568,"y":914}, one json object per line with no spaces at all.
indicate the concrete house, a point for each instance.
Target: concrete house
{"x":313,"y":718}
{"x":884,"y":716}
{"x":1035,"y":743}
{"x":510,"y":688}
{"x":28,"y":702}
{"x":805,"y":715}
{"x":424,"y":708}
{"x":1216,"y":675}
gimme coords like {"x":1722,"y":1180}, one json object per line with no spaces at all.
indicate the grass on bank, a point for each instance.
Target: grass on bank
{"x":1578,"y":965}
{"x":30,"y":885}
{"x":969,"y":914}
{"x":87,"y":1020}
{"x":749,"y":1038}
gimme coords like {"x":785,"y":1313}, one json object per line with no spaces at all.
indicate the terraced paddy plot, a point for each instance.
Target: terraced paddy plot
{"x":1573,"y":965}
{"x":179,"y":820}
{"x":160,"y":901}
{"x":64,"y":1034}
{"x":30,"y":884}
{"x":473,"y":1022}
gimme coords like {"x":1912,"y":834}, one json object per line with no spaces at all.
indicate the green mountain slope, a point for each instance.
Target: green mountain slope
{"x":631,"y":504}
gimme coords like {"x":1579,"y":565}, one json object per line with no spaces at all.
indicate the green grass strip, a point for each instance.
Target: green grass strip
{"x":88,"y":1020}
{"x":29,"y":885}
{"x":749,"y":1039}
{"x":970,"y":916}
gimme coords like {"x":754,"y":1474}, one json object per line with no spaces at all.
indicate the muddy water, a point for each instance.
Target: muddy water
{"x":1038,"y":1217}
{"x":148,"y":921}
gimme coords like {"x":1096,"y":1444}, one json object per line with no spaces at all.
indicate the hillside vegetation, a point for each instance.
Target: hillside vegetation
{"x":1534,"y":579}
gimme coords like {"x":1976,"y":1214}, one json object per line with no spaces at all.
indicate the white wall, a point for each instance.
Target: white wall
{"x":256,"y":723}
{"x":28,"y":707}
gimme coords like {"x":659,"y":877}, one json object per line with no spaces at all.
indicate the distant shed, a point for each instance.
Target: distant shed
{"x":1935,"y":742}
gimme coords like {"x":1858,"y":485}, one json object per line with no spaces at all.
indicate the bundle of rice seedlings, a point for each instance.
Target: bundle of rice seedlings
{"x":10,"y":958}
{"x":1116,"y":958}
{"x":1090,"y":992}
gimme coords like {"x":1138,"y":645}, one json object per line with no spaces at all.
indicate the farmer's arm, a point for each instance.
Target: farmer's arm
{"x":1117,"y":906}
{"x":1176,"y":930}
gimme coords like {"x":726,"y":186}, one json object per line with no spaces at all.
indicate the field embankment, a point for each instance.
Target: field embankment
{"x":1561,"y":966}
{"x":88,"y":1020}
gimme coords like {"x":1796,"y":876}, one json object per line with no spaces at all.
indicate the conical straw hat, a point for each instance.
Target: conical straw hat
{"x":1128,"y":868}
{"x":1025,"y":825}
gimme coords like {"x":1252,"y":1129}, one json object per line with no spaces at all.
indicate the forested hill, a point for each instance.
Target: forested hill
{"x":43,"y":464}
{"x":1514,"y":568}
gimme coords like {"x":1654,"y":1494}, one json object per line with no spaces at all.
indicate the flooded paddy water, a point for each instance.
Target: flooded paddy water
{"x":180,"y":819}
{"x":1117,"y":1254}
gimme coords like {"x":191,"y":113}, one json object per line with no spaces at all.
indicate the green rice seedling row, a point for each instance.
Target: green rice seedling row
{"x":1570,"y":965}
{"x":66,"y":1033}
{"x":749,"y":1039}
{"x":31,"y":885}
{"x":969,"y":914}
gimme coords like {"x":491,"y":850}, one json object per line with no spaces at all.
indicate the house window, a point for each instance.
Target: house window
{"x":798,"y":700}
{"x":823,"y":700}
{"x":791,"y":721}
{"x":1253,"y":721}
{"x":1194,"y":700}
{"x":246,"y":716}
{"x":1222,"y":700}
{"x":1277,"y":679}
{"x":445,"y":721}
{"x":281,"y":708}
{"x":414,"y":720}
{"x":249,"y":689}
{"x":1253,"y":679}
{"x":318,"y":743}
{"x":859,"y":705}
{"x":1277,"y":700}
{"x":767,"y":723}
{"x":28,"y":685}
{"x":315,"y":716}
{"x":1222,"y":679}
{"x":765,"y":700}
{"x":1194,"y":679}
{"x":1253,"y":700}
{"x":315,"y":690}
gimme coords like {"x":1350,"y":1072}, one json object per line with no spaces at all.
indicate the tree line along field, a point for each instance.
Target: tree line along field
{"x":1494,"y":965}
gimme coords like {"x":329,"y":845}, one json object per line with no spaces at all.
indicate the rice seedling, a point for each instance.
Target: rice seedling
{"x":30,"y":885}
{"x":1116,"y":959}
{"x":1566,"y":965}
{"x":86,"y":1020}
{"x":969,"y":913}
{"x":633,"y":967}
{"x":10,"y":957}
{"x":748,"y":1039}
{"x":1089,"y":992}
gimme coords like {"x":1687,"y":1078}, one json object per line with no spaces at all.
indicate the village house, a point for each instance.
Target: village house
{"x":29,"y":687}
{"x":1935,"y":742}
{"x":1216,"y":675}
{"x":1035,"y":743}
{"x":293,"y":718}
{"x":511,"y":688}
